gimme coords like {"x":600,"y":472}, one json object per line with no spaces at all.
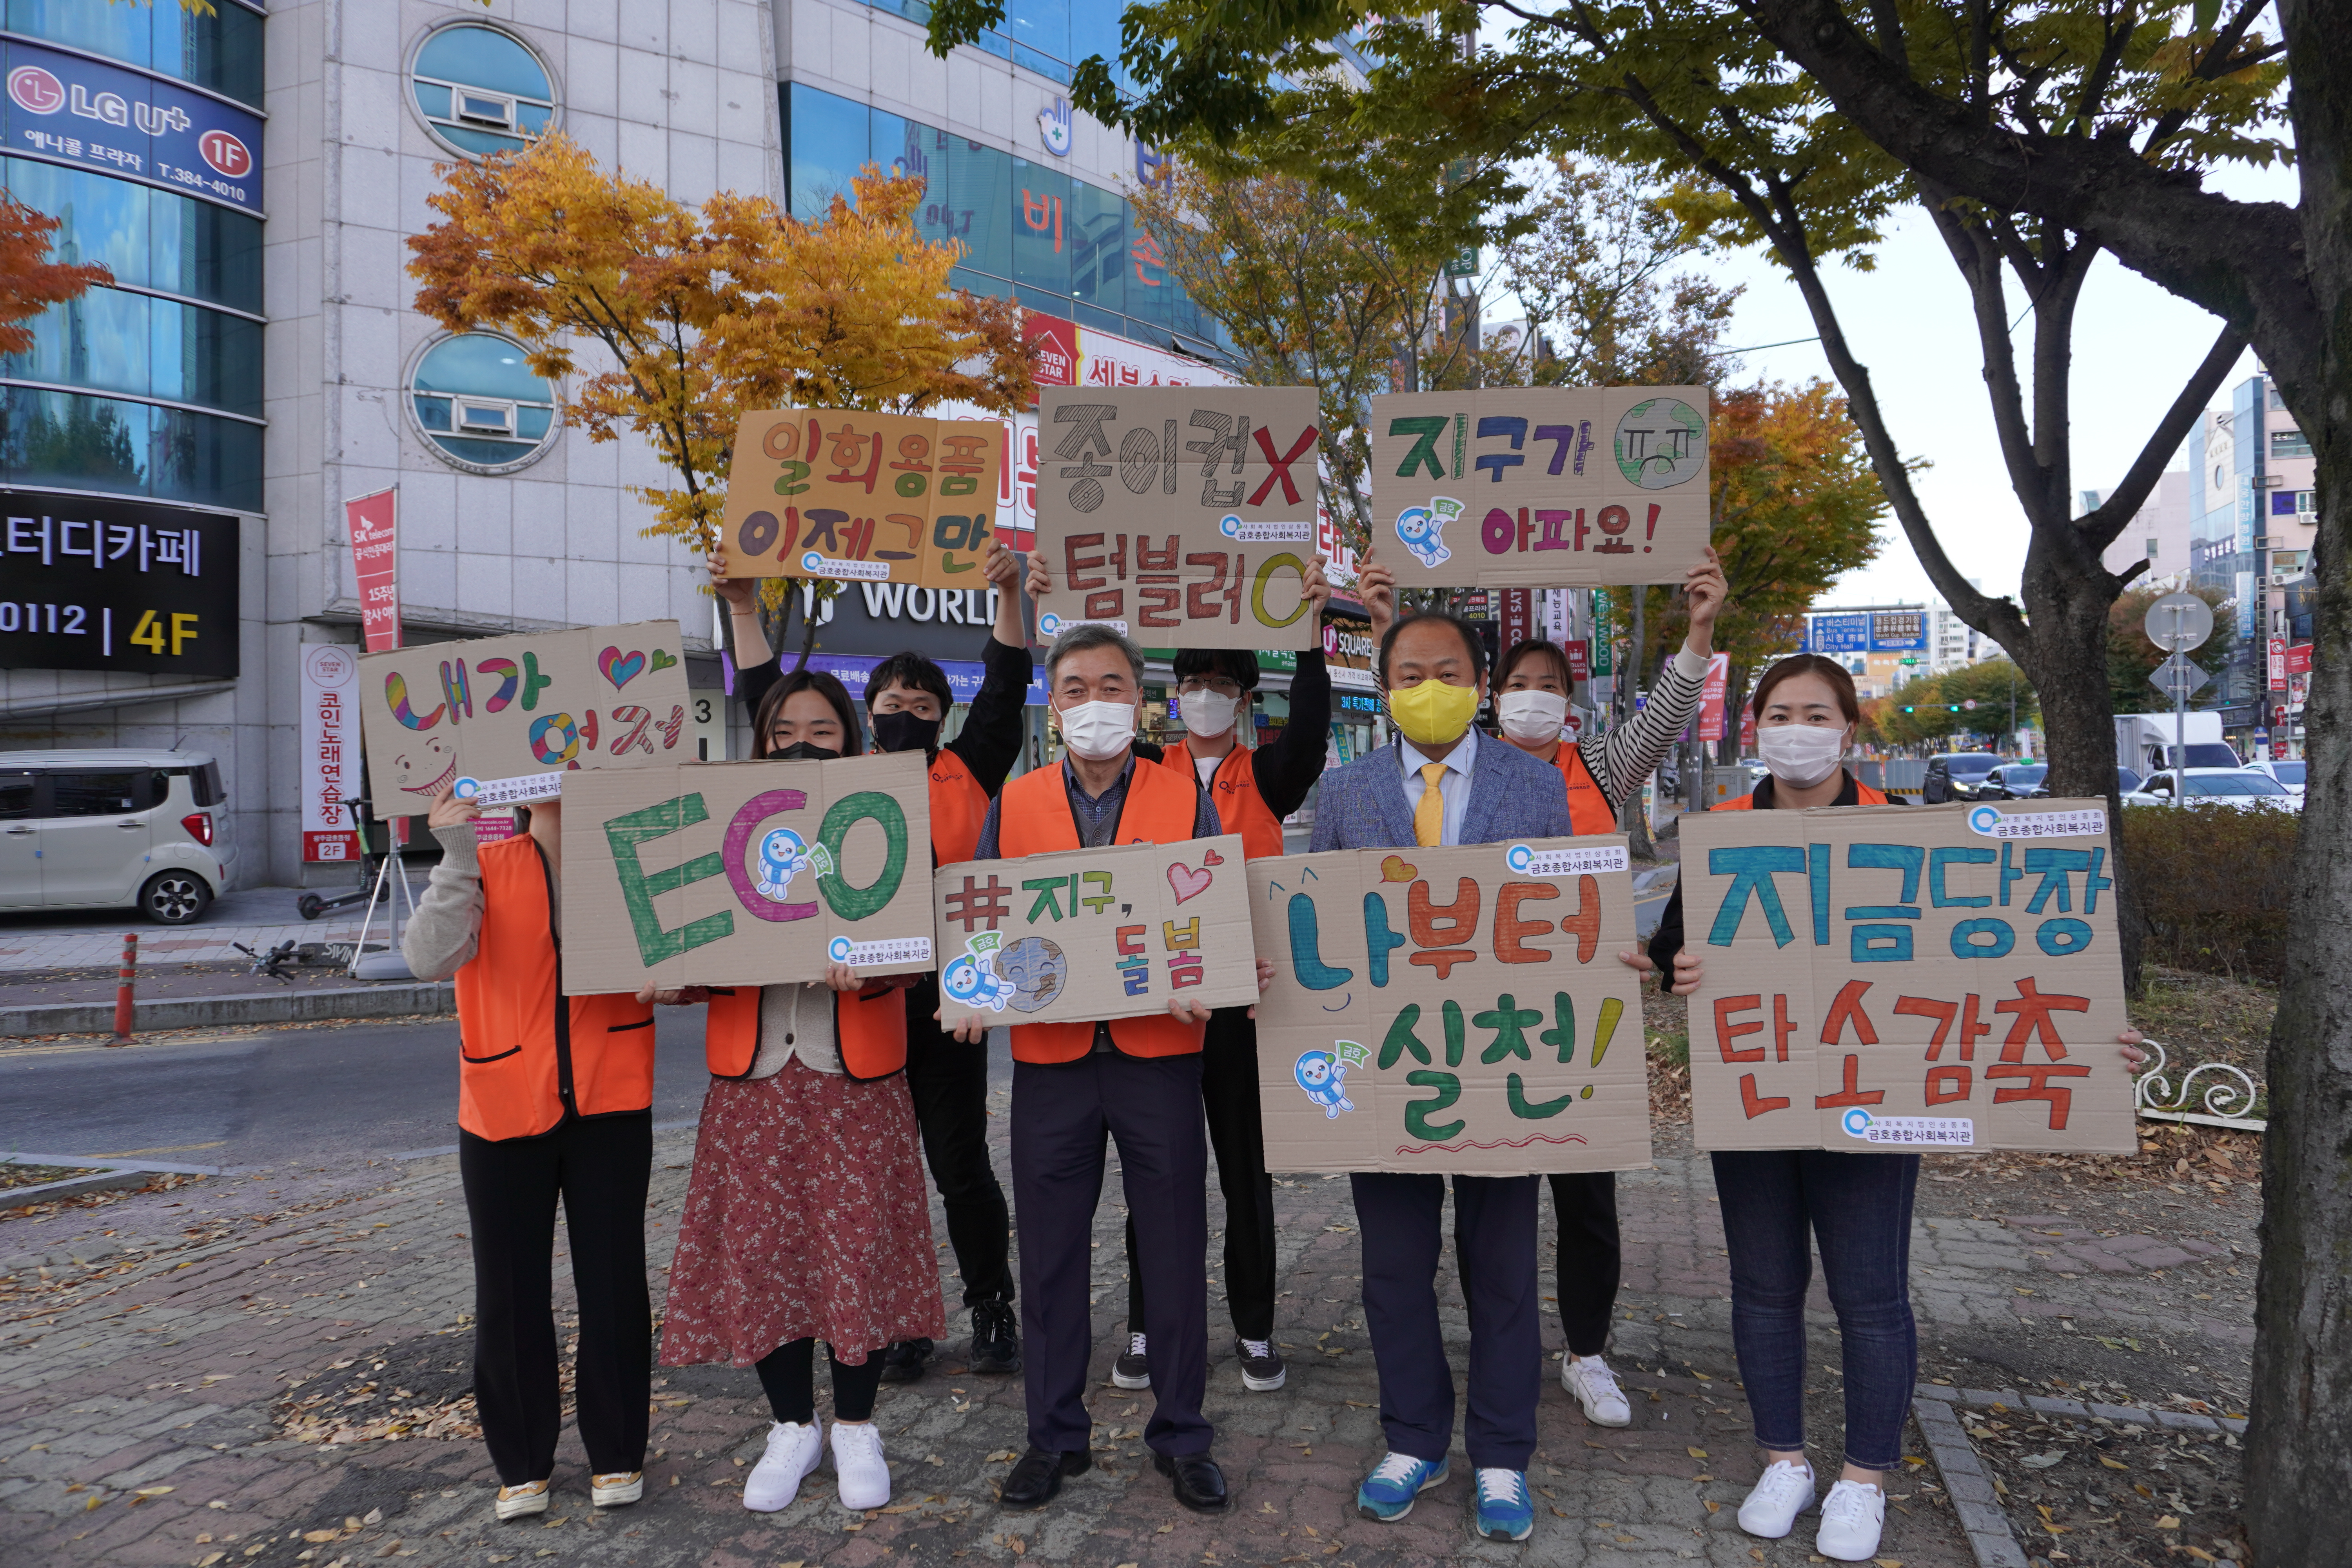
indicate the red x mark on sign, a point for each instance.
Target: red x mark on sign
{"x":1281,"y":465}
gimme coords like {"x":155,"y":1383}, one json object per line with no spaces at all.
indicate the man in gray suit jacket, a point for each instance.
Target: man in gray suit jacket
{"x":1441,"y":783}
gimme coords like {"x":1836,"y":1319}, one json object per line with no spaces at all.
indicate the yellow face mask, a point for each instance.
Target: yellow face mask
{"x":1433,"y":712}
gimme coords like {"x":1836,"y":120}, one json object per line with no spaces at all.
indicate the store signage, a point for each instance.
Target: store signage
{"x":63,"y":109}
{"x":1054,"y":127}
{"x":330,"y":750}
{"x":372,"y":522}
{"x":100,"y":584}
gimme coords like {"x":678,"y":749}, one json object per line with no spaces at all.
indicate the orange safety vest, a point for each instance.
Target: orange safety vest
{"x":1034,"y":818}
{"x":869,"y":1025}
{"x":1862,"y":795}
{"x":1234,"y":786}
{"x":1588,"y":809}
{"x":959,"y":805}
{"x":527,"y":1054}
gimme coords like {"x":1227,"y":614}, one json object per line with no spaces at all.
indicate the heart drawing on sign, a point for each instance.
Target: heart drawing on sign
{"x":1213,"y":859}
{"x":1188,"y":882}
{"x":619,"y":670}
{"x":663,"y":660}
{"x":1395,"y":869}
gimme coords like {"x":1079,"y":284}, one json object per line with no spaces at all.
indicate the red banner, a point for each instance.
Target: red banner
{"x":2298,"y":659}
{"x":372,"y":521}
{"x":1057,"y":347}
{"x":1710,"y":700}
{"x":1580,"y":661}
{"x":1518,"y":616}
{"x":2278,"y":664}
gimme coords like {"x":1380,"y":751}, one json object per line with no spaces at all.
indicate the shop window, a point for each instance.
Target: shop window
{"x":148,"y":238}
{"x":481,"y":91}
{"x":480,"y":405}
{"x":1041,"y":226}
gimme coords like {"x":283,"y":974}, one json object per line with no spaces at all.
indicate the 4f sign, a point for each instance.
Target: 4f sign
{"x":1054,"y":127}
{"x":225,"y":152}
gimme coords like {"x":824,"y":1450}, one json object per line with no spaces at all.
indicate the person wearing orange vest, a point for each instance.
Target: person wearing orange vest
{"x":1136,"y":1079}
{"x":554,"y":1099}
{"x":1532,"y":684}
{"x":907,"y":700}
{"x":1253,"y":788}
{"x":805,"y":1217}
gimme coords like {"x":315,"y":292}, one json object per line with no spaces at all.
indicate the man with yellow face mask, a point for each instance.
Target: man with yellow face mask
{"x":1441,"y":784}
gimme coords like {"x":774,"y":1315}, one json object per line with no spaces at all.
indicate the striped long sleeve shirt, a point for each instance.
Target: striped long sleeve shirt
{"x":1619,"y":760}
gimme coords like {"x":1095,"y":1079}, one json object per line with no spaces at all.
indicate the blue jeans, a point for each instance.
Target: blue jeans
{"x":1858,"y":1206}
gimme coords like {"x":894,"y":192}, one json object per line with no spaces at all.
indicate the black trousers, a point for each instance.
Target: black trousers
{"x":948,"y":1082}
{"x":600,"y":1168}
{"x":1229,"y":1095}
{"x":1060,"y":1115}
{"x":1587,"y":1258}
{"x":788,"y":1377}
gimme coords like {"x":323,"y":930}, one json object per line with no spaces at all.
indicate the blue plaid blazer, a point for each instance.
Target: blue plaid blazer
{"x":1512,"y":795}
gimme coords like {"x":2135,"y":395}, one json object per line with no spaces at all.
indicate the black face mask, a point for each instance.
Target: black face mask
{"x":905,"y":731}
{"x":804,"y":751}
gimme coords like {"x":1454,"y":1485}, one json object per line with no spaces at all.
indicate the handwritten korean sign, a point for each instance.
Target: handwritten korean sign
{"x":505,"y":719}
{"x":1451,"y":1010}
{"x":1184,"y":516}
{"x":1095,"y":933}
{"x":1924,"y":978}
{"x":1540,"y":487}
{"x":870,"y":497}
{"x":745,"y":873}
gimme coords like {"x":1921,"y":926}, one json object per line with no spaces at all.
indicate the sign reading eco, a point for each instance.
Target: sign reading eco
{"x":745,"y":873}
{"x":1456,"y":1010}
{"x":1924,"y":978}
{"x":1540,"y":487}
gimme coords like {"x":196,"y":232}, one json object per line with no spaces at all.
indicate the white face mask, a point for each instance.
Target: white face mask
{"x":1534,"y":716}
{"x":1801,"y":756}
{"x":1098,"y":730}
{"x":1207,"y":712}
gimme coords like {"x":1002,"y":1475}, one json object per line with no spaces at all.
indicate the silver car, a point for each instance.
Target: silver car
{"x":114,"y":829}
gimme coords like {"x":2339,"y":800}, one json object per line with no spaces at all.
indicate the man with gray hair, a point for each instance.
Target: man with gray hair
{"x":1135,"y":1079}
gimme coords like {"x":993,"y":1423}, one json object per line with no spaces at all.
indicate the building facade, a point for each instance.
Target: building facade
{"x":2158,"y":532}
{"x":2252,"y":516}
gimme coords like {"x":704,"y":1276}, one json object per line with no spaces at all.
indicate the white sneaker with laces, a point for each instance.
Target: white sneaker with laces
{"x":616,"y":1488}
{"x":519,"y":1503}
{"x":1782,"y":1492}
{"x":1132,"y":1370}
{"x":1595,"y":1387}
{"x":793,"y":1450}
{"x":1852,"y":1515}
{"x":858,"y":1467}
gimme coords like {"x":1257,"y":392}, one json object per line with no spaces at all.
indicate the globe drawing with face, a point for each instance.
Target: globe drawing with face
{"x":1035,"y":970}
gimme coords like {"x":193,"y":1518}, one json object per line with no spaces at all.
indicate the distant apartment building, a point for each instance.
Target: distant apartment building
{"x":2253,"y":514}
{"x":2157,"y":534}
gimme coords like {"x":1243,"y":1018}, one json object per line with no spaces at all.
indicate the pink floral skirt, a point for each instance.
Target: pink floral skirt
{"x":806,"y":1215}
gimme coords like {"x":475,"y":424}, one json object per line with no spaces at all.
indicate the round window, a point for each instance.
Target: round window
{"x":477,"y":399}
{"x":481,"y":91}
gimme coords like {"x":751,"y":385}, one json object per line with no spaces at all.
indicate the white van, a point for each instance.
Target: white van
{"x":114,"y":829}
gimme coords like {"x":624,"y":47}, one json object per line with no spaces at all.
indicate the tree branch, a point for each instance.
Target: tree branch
{"x":2101,"y":527}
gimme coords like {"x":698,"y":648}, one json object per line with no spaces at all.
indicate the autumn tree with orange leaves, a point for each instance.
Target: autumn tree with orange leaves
{"x":707,"y":313}
{"x":29,"y":282}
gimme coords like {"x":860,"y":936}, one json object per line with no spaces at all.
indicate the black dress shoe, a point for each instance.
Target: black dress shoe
{"x":1200,"y":1485}
{"x":1037,"y":1477}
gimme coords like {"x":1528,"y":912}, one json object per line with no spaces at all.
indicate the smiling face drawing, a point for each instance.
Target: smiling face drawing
{"x":1035,"y":970}
{"x":424,"y":764}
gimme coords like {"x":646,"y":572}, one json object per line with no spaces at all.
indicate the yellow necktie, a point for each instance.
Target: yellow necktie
{"x":1429,"y":815}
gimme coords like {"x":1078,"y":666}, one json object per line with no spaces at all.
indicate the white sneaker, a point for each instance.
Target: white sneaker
{"x":616,"y":1489}
{"x":1851,"y":1517}
{"x":793,"y":1450}
{"x":858,"y":1467}
{"x":518,"y":1502}
{"x":1132,"y":1370}
{"x":1782,"y":1493}
{"x":1595,"y":1387}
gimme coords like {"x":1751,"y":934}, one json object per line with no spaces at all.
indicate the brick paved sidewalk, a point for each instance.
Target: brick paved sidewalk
{"x":143,"y":1399}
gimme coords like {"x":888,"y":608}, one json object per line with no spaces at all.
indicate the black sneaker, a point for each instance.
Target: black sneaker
{"x":995,"y":1338}
{"x":1132,"y":1370}
{"x":904,"y":1361}
{"x":1262,"y":1368}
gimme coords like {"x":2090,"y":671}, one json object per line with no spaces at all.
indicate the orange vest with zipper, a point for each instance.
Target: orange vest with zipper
{"x":1588,"y":808}
{"x":869,"y":1025}
{"x":1233,"y":787}
{"x":527,"y":1053}
{"x":959,"y":805}
{"x":1034,"y":818}
{"x":1862,"y":795}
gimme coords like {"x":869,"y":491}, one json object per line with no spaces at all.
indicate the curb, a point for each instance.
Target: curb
{"x":252,"y":1007}
{"x":73,"y":1187}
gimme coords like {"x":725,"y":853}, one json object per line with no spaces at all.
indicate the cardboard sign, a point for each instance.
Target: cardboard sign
{"x":1540,"y":487}
{"x":1907,"y":978}
{"x":871,"y":497}
{"x":749,"y":873}
{"x":1184,"y":516}
{"x":1096,"y":933}
{"x":1455,"y":1010}
{"x":505,"y":719}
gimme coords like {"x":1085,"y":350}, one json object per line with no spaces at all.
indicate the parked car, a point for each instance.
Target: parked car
{"x":2287,"y":771}
{"x":2015,"y":781}
{"x":1955,"y":776}
{"x":2241,"y":788}
{"x":114,"y":829}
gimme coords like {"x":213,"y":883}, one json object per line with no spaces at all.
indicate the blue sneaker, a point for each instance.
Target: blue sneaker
{"x":1505,"y":1513}
{"x":1388,"y":1492}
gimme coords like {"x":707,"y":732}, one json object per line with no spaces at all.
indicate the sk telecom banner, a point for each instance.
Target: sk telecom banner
{"x":871,"y":497}
{"x":1928,"y":977}
{"x":372,"y":522}
{"x":1540,"y":487}
{"x":505,"y":719}
{"x":1451,"y":1010}
{"x":1087,"y":935}
{"x":330,"y":750}
{"x":745,"y":873}
{"x":1184,"y":516}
